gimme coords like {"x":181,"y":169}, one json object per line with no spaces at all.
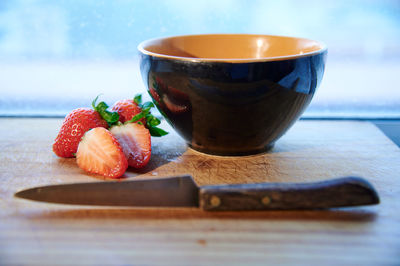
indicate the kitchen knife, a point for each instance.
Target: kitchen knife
{"x":182,"y":191}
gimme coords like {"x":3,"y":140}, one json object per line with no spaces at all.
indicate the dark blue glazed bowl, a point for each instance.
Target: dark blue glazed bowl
{"x":232,"y":94}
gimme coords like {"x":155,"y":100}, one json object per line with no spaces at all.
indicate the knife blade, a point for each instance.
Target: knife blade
{"x":182,"y":191}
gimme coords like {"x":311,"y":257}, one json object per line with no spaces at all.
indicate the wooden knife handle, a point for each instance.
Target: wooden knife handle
{"x":339,"y":192}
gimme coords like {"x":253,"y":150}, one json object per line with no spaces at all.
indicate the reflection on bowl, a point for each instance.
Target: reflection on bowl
{"x":232,"y":94}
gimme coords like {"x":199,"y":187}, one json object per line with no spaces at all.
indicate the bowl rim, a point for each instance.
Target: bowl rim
{"x":142,"y":50}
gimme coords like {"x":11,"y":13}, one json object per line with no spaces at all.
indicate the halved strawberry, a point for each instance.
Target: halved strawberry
{"x":75,"y":124}
{"x":100,"y":153}
{"x":135,"y":142}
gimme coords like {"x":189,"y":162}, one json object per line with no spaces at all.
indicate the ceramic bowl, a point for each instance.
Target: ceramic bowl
{"x":231,"y":94}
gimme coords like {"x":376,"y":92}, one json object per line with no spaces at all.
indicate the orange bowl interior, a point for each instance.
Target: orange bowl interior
{"x":231,"y":47}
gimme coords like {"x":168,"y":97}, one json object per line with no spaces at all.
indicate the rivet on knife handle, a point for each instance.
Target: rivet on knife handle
{"x":339,"y":192}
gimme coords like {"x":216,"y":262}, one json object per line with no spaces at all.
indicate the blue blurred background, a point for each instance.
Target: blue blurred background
{"x":58,"y":55}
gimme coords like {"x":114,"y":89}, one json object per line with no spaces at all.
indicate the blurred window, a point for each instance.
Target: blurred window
{"x":59,"y":55}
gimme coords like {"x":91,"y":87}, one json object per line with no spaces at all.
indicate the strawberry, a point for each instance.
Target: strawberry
{"x":135,"y":142}
{"x":100,"y":153}
{"x":134,"y":111}
{"x":75,"y":124}
{"x":126,"y":109}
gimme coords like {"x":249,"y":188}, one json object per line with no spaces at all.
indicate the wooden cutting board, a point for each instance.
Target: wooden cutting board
{"x":34,"y":233}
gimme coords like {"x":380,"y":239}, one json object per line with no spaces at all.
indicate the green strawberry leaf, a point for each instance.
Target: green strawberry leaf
{"x":157,"y":132}
{"x":136,"y":117}
{"x":110,"y":117}
{"x":150,"y":120}
{"x":138,"y":99}
{"x":147,"y":105}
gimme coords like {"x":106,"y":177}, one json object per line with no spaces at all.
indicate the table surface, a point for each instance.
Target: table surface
{"x":33,"y":233}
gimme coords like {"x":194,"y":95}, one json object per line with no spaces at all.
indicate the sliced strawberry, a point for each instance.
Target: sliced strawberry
{"x":75,"y":124}
{"x":135,"y":142}
{"x":100,"y":153}
{"x":126,"y":109}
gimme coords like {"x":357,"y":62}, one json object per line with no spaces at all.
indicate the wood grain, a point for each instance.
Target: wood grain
{"x":336,"y":192}
{"x":34,"y":233}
